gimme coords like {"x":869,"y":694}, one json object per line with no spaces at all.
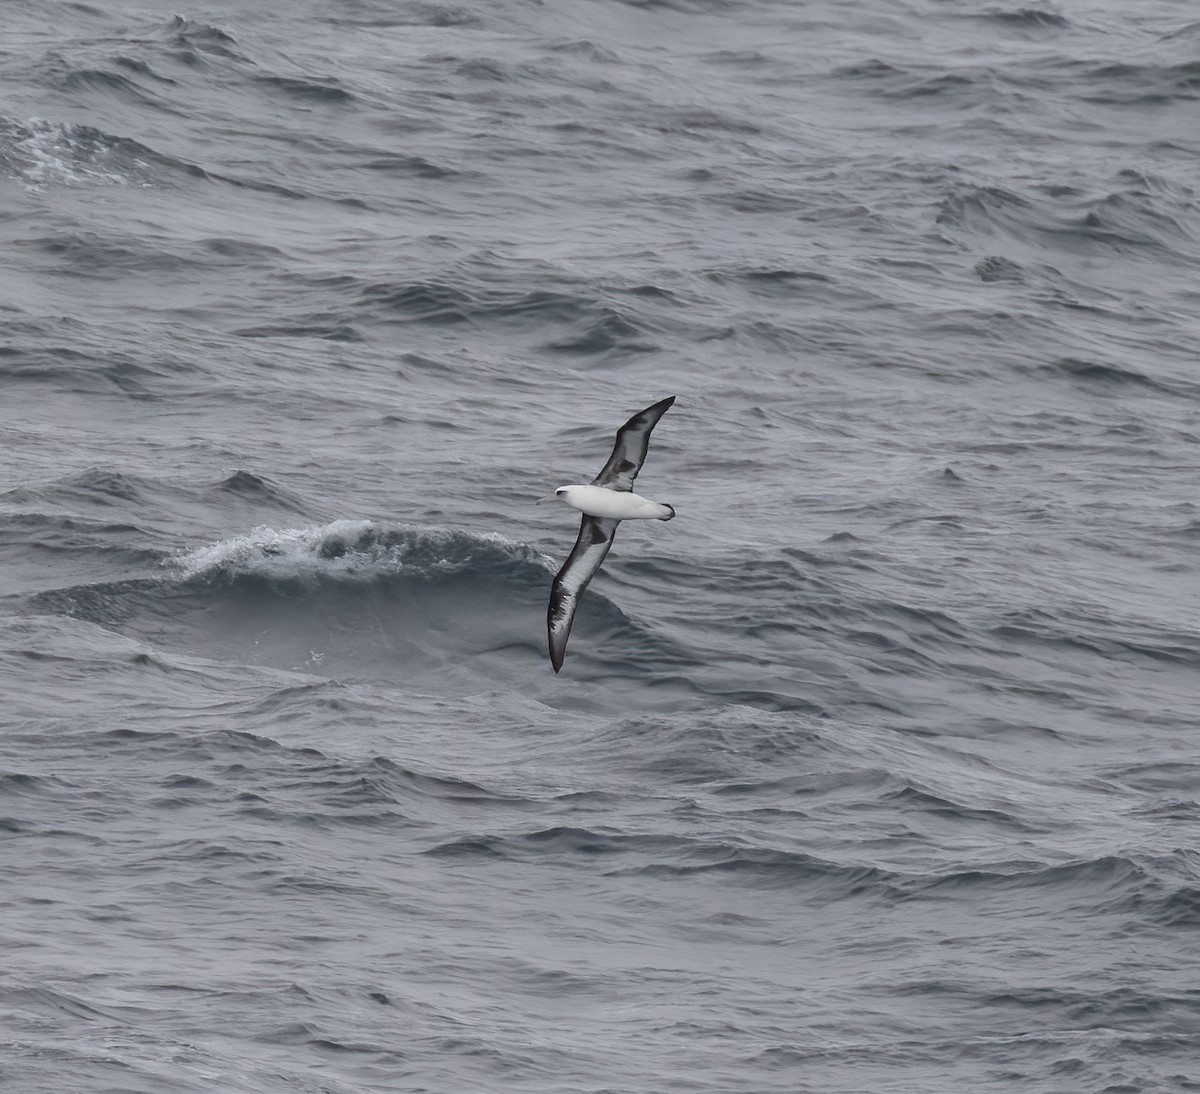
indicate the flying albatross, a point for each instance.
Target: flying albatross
{"x":604,"y":504}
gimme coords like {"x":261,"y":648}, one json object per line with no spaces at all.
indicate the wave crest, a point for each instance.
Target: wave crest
{"x":350,"y":549}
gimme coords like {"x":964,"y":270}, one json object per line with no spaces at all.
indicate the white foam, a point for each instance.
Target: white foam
{"x":345,"y":548}
{"x":39,"y":153}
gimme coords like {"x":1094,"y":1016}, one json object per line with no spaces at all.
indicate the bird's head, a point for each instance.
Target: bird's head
{"x":559,"y":495}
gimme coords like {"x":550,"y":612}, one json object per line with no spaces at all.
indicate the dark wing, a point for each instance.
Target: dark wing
{"x":633,"y":439}
{"x":595,"y":538}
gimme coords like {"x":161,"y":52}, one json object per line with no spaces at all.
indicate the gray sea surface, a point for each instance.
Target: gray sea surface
{"x":876,"y":770}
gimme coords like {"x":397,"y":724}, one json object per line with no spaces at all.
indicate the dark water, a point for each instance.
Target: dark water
{"x":877,"y":770}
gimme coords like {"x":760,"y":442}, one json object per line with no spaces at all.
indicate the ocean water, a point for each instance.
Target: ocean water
{"x":876,"y":770}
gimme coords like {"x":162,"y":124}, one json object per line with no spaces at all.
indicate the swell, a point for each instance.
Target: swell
{"x":1135,"y":213}
{"x":665,"y":856}
{"x":355,"y":550}
{"x":357,"y":599}
{"x":110,"y":521}
{"x":1163,"y":889}
{"x":593,"y":320}
{"x":42,"y":153}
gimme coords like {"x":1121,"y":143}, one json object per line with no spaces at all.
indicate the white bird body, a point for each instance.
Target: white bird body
{"x":600,"y":501}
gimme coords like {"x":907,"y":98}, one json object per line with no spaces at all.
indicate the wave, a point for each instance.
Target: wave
{"x":592,"y":323}
{"x":325,"y":90}
{"x":44,"y":509}
{"x":191,"y":42}
{"x":617,"y":316}
{"x":664,"y":855}
{"x":96,"y":255}
{"x":1035,"y":19}
{"x":1126,"y":83}
{"x":358,"y":549}
{"x":1161,"y":888}
{"x":360,"y":599}
{"x":41,"y":153}
{"x":1136,"y":213}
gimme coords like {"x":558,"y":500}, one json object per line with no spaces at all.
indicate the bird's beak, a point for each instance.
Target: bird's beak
{"x":549,"y":497}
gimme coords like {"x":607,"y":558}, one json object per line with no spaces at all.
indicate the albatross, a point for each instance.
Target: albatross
{"x":604,"y":503}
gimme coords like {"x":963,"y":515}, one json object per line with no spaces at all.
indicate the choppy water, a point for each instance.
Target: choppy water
{"x":876,"y":770}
